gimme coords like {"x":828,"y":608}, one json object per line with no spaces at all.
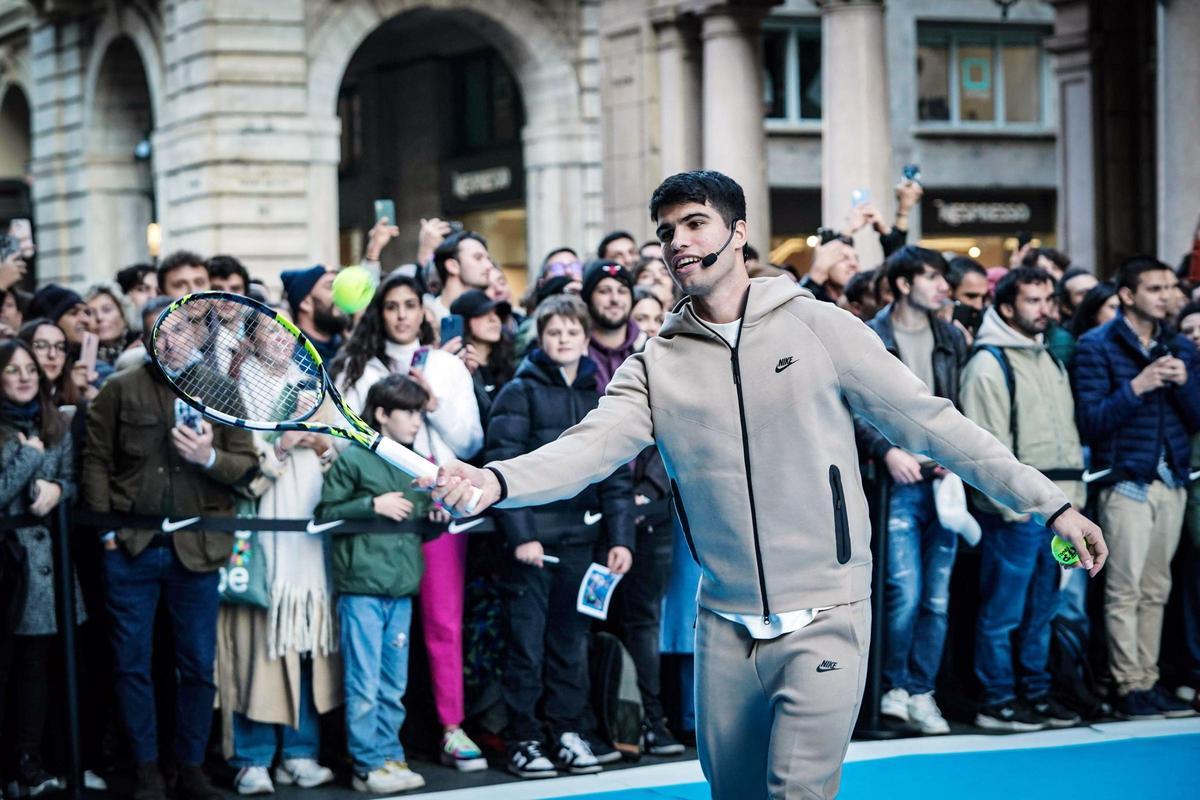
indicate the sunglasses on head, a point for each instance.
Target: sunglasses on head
{"x":573,"y":269}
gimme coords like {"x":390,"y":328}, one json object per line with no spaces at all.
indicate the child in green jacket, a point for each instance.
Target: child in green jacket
{"x":376,"y":575}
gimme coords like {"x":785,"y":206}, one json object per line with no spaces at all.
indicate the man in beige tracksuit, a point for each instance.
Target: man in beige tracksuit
{"x":747,"y":393}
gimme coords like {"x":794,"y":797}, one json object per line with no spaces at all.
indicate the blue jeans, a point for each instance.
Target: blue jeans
{"x":1072,"y":599}
{"x":1018,"y":585}
{"x":1191,"y":615}
{"x":255,"y":743}
{"x":374,"y":643}
{"x":920,"y":558}
{"x":133,"y":588}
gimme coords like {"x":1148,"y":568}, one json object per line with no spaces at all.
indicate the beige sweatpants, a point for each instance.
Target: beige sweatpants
{"x":1142,"y":538}
{"x":774,"y":716}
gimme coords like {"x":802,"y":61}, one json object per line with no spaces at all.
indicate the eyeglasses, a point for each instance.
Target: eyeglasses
{"x":13,"y":371}
{"x":572,"y":268}
{"x":41,"y":346}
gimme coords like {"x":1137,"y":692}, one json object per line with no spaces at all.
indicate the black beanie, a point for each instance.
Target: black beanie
{"x":52,"y":301}
{"x":596,"y":271}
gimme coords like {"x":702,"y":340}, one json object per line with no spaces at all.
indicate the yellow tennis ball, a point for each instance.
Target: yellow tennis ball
{"x":353,"y":289}
{"x":1064,"y":552}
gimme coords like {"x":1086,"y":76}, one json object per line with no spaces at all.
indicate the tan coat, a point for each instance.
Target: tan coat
{"x":265,"y":689}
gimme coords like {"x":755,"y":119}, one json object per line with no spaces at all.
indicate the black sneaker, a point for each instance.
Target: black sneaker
{"x":149,"y":784}
{"x":526,"y":760}
{"x":1008,"y":716}
{"x":32,"y":780}
{"x":1169,"y":705}
{"x":572,"y":754}
{"x":602,"y":751}
{"x":657,"y":740}
{"x":1138,"y":705}
{"x":193,"y":784}
{"x":1053,"y":712}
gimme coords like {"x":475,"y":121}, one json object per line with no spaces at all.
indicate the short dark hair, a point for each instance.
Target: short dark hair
{"x":1085,"y":315}
{"x":177,"y":260}
{"x":1058,"y":258}
{"x":132,"y":275}
{"x":960,"y":267}
{"x":910,"y":261}
{"x":749,"y":253}
{"x":860,"y":283}
{"x":563,"y":305}
{"x":613,"y":237}
{"x":1008,"y":286}
{"x":393,"y":393}
{"x":701,"y":186}
{"x":448,"y":249}
{"x":1129,"y":274}
{"x":227,"y":266}
{"x":641,"y":293}
{"x":556,"y":251}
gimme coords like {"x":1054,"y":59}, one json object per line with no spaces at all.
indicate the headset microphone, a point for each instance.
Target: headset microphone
{"x":711,"y":258}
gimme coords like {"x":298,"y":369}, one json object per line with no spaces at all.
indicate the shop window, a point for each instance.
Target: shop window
{"x":792,"y":72}
{"x":350,"y":113}
{"x":981,"y":77}
{"x":490,"y":105}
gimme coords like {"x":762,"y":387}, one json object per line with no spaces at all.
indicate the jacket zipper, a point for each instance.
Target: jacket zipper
{"x":737,"y":382}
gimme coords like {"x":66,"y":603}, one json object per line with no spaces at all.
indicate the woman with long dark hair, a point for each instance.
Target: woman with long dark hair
{"x":392,"y":338}
{"x":1098,"y":306}
{"x":35,"y":450}
{"x":488,"y":350}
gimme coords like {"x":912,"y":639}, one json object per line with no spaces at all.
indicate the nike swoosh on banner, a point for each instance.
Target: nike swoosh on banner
{"x":460,"y":527}
{"x":1088,"y":477}
{"x":314,"y":527}
{"x":171,"y":527}
{"x":591,"y":519}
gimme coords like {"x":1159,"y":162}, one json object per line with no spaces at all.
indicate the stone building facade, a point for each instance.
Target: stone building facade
{"x":266,"y":128}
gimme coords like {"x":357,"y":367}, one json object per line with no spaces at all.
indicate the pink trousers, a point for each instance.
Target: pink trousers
{"x":442,"y":589}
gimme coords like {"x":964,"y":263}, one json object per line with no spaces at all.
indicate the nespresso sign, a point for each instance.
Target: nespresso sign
{"x":485,"y":180}
{"x":987,"y":211}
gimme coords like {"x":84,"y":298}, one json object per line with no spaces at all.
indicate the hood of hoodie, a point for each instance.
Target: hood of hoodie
{"x":764,"y":296}
{"x":632,"y":332}
{"x":998,"y":333}
{"x":538,"y":367}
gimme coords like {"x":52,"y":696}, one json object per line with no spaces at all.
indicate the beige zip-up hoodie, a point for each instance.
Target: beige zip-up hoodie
{"x":1045,"y":407}
{"x":759,"y":443}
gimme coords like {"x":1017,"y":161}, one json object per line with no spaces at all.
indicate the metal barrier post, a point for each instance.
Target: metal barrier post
{"x":65,"y":576}
{"x":869,"y":724}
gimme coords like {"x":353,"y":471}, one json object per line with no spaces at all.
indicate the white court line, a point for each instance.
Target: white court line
{"x":689,"y":771}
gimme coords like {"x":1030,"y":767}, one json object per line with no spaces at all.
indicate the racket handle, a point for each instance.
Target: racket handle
{"x":409,"y":462}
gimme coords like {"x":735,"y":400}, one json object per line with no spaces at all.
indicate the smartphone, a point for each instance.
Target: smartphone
{"x":1023,"y":238}
{"x":22,"y":229}
{"x":9,"y":246}
{"x":452,"y":326}
{"x":912,"y":172}
{"x":859,"y":196}
{"x":419,"y":358}
{"x":970,"y":317}
{"x":87,"y":353}
{"x":187,"y":417}
{"x":385,"y":208}
{"x":455,"y":226}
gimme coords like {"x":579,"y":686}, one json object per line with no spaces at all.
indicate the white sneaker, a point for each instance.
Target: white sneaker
{"x":303,"y":772}
{"x":93,"y":781}
{"x":894,"y":704}
{"x":408,"y":778}
{"x":379,"y":781}
{"x":253,"y":780}
{"x":925,"y":716}
{"x":572,"y":754}
{"x":1186,"y":693}
{"x":460,"y":752}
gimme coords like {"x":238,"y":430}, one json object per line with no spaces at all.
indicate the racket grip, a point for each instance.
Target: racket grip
{"x":409,"y":462}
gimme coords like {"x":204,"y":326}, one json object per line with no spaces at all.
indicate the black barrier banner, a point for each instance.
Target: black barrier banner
{"x":547,"y":520}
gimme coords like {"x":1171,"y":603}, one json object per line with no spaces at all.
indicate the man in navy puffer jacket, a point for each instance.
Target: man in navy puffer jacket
{"x":1137,"y":394}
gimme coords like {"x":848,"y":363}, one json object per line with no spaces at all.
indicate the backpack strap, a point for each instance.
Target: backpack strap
{"x":1011,"y":381}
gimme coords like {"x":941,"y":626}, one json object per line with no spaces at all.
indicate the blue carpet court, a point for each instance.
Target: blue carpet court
{"x":1113,"y":760}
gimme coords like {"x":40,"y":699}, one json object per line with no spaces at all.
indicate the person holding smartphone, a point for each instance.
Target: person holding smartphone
{"x":393,"y":336}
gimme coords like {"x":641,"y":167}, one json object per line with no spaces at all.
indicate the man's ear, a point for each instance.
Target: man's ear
{"x":306,"y":306}
{"x":903,"y":288}
{"x":380,"y":416}
{"x":740,"y":234}
{"x":1126,"y":295}
{"x":453,"y":267}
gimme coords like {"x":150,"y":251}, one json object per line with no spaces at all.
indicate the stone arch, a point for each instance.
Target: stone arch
{"x":127,"y":20}
{"x":561,"y":143}
{"x":16,"y":130}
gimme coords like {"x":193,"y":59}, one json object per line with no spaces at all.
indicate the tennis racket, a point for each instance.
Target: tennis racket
{"x":239,"y":363}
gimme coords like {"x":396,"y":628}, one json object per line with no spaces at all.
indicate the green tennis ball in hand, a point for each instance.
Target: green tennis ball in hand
{"x":353,"y":289}
{"x":1064,"y":552}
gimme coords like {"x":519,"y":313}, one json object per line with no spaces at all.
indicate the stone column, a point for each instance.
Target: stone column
{"x":856,"y":138}
{"x":1177,"y":144}
{"x":679,"y":98}
{"x":735,"y":140}
{"x":1072,"y":46}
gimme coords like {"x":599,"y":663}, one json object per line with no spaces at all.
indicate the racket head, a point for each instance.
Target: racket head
{"x":240,"y":362}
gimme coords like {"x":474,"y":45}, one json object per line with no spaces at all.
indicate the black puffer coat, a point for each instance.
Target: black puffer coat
{"x":531,"y":410}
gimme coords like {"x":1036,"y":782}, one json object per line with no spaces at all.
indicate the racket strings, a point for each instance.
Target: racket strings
{"x":238,"y":360}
